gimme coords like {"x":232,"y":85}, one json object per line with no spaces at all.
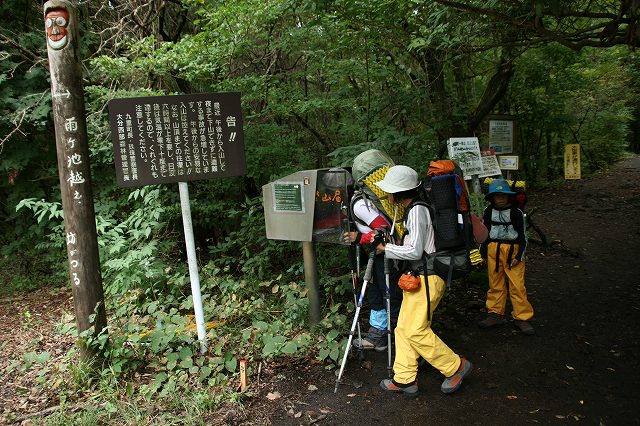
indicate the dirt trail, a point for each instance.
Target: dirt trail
{"x":581,"y":366}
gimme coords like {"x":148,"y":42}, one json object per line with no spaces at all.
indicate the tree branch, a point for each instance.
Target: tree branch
{"x":495,"y":90}
{"x":314,"y":132}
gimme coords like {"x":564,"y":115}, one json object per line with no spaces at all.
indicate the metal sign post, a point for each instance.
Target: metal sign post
{"x":194,"y":277}
{"x":311,"y":280}
{"x":308,"y":206}
{"x":175,"y":139}
{"x":74,"y":169}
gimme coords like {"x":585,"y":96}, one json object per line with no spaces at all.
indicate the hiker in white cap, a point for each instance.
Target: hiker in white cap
{"x":413,"y":335}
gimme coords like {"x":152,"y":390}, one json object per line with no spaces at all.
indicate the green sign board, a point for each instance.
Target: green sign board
{"x":288,"y":197}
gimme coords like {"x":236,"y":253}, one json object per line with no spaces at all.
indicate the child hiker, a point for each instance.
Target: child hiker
{"x":413,"y":334}
{"x":368,"y":218}
{"x":504,"y":251}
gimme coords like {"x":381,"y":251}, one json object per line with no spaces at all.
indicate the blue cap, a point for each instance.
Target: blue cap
{"x":498,"y":186}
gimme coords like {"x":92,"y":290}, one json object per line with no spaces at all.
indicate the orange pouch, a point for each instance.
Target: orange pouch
{"x":409,"y":282}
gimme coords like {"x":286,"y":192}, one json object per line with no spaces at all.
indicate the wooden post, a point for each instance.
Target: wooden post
{"x":311,"y":281}
{"x":74,"y":169}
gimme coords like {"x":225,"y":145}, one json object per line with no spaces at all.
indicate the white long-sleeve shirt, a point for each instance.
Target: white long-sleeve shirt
{"x":419,"y":238}
{"x":367,"y":212}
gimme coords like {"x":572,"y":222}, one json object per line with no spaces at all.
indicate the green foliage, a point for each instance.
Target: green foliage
{"x":330,"y":347}
{"x":135,"y":247}
{"x":320,"y":83}
{"x":561,"y":97}
{"x":244,"y":250}
{"x":477,"y":202}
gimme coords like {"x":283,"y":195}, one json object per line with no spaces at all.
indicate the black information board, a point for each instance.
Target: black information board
{"x":166,"y":139}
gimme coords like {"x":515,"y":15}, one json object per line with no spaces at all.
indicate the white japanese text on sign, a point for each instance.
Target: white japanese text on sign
{"x":177,"y":138}
{"x":466,"y":152}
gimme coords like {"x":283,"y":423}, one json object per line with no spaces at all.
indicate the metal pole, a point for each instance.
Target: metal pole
{"x":74,"y":169}
{"x":194,"y":277}
{"x":353,"y":252}
{"x":356,"y":316}
{"x":311,"y":280}
{"x":475,"y":184}
{"x":387,"y":297}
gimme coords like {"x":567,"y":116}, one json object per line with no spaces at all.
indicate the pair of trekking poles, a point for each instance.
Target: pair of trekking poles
{"x":359,"y":298}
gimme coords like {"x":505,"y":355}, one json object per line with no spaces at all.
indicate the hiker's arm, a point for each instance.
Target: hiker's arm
{"x":373,"y":219}
{"x":416,"y":238}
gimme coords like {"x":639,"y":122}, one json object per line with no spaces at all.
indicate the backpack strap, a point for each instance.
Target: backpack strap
{"x":419,"y":202}
{"x":509,"y":254}
{"x":426,"y":284}
{"x":357,"y":195}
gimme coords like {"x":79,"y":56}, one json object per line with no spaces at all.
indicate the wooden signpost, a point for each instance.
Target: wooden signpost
{"x":572,"y":161}
{"x":73,"y":168}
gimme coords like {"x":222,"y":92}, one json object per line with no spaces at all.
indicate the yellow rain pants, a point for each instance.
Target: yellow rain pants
{"x":497,"y":294}
{"x":414,"y":337}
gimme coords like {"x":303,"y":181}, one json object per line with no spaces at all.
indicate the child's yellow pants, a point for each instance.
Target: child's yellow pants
{"x":414,"y":337}
{"x":497,"y":294}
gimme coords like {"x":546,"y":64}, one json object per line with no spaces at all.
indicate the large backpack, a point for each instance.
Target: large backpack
{"x":370,"y":167}
{"x":448,"y":204}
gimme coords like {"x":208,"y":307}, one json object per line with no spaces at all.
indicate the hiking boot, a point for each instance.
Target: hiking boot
{"x":453,"y":383}
{"x":525,"y":327}
{"x":492,"y":320}
{"x":376,"y":339}
{"x":410,"y":389}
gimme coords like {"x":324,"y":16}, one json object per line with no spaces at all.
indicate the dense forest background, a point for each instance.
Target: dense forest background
{"x":321,"y":81}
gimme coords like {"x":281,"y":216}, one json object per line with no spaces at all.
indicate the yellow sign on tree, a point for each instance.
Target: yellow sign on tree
{"x":572,"y":161}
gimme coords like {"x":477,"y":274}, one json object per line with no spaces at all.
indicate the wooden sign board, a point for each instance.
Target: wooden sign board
{"x":166,"y":139}
{"x":508,"y":162}
{"x":466,"y":152}
{"x":501,"y":136}
{"x":572,"y":161}
{"x":490,"y":166}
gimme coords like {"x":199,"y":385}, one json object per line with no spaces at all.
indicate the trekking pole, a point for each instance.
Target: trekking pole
{"x":354,"y":251}
{"x":387,"y":271}
{"x":367,"y":278}
{"x":387,"y":296}
{"x":393,"y":225}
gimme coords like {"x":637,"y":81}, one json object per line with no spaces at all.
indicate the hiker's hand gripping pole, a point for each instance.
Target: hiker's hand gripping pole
{"x":380,"y":237}
{"x":367,"y":279}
